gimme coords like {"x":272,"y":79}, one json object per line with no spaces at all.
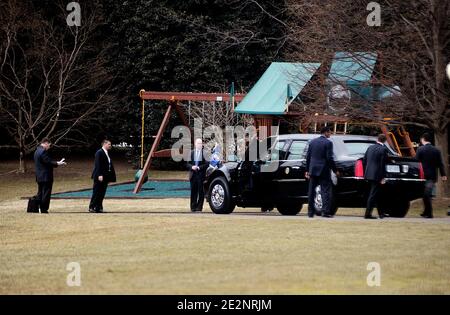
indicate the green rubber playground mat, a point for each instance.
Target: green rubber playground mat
{"x":151,"y":189}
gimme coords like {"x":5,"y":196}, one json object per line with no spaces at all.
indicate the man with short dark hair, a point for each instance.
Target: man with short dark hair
{"x":319,"y":163}
{"x":102,"y":174}
{"x":374,"y":163}
{"x":44,"y":173}
{"x":431,"y":160}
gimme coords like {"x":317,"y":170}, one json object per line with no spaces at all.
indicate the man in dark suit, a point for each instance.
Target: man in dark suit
{"x":431,"y":159}
{"x":374,"y":164}
{"x":197,"y":169}
{"x":44,"y":174}
{"x":319,"y":163}
{"x":102,"y":174}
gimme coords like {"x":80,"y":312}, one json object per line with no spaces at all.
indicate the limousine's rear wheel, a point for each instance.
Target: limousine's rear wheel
{"x":398,"y":208}
{"x":289,"y":209}
{"x":318,"y":202}
{"x":219,"y":197}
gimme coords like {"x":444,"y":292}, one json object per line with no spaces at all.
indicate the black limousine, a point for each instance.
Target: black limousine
{"x":279,"y":180}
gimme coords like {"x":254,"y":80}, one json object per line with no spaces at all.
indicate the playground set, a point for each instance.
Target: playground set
{"x":350,"y":77}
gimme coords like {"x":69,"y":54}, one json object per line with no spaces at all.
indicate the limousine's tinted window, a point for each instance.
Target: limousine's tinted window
{"x":297,"y":150}
{"x":357,"y":147}
{"x":276,"y":150}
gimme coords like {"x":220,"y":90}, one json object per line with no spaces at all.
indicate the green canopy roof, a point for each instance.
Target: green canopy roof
{"x":352,"y":67}
{"x":277,"y":88}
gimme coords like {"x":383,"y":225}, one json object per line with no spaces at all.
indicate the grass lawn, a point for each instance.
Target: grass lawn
{"x":157,"y":246}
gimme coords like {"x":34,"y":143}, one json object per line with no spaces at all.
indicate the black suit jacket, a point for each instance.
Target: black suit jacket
{"x":431,"y":160}
{"x":203,"y":165}
{"x":103,"y":168}
{"x":374,"y":162}
{"x":44,"y":165}
{"x":319,"y":159}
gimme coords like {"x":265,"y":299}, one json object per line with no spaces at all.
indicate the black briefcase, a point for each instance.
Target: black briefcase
{"x":33,"y":205}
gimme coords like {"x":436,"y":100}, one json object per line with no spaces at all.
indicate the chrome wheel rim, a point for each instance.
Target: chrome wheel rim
{"x":217,"y":196}
{"x":318,"y":198}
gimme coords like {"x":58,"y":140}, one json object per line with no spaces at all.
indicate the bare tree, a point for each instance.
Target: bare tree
{"x":221,"y":115}
{"x":53,"y":79}
{"x":412,"y":43}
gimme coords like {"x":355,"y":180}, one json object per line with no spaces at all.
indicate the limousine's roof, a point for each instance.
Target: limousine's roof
{"x":337,"y":139}
{"x":309,"y":136}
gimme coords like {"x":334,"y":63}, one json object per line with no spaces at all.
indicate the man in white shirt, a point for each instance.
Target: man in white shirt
{"x":102,"y":174}
{"x":197,"y":168}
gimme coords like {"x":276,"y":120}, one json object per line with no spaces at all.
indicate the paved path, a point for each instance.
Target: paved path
{"x":273,"y":215}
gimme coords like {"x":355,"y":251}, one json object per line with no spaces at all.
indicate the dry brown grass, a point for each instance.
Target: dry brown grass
{"x":157,"y":246}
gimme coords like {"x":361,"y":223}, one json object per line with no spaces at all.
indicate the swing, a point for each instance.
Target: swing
{"x":173,"y":98}
{"x":139,"y":172}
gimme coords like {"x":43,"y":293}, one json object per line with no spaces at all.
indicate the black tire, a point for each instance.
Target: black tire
{"x":289,"y":209}
{"x":334,"y":209}
{"x":219,"y":196}
{"x":318,"y":202}
{"x":399,"y":209}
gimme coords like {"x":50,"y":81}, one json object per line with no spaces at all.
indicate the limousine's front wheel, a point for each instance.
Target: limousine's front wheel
{"x":219,"y":197}
{"x":289,"y":209}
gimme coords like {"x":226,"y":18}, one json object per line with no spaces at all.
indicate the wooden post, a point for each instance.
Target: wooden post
{"x":163,"y":126}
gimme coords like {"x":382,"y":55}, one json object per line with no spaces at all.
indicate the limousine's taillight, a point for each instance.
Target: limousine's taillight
{"x":359,"y":169}
{"x":421,"y":173}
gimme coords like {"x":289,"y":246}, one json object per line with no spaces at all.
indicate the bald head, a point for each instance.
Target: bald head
{"x":198,"y":144}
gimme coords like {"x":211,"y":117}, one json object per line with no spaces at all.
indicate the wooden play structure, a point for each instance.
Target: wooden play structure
{"x":173,"y":99}
{"x":269,"y":100}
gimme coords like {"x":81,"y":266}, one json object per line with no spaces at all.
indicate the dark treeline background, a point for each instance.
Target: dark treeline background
{"x":176,"y":45}
{"x":77,"y":85}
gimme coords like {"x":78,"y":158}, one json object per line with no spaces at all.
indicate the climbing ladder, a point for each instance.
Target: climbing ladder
{"x":399,"y":139}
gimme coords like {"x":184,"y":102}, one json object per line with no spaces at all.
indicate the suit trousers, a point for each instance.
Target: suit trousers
{"x":372,"y":200}
{"x":98,"y":194}
{"x":326,"y":192}
{"x":197,"y":193}
{"x":427,"y":197}
{"x":44,"y":194}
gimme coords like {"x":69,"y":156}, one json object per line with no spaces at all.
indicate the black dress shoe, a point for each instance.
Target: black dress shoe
{"x":44,"y":211}
{"x":92,"y":210}
{"x":327,"y":215}
{"x":370,"y":217}
{"x":426,"y":216}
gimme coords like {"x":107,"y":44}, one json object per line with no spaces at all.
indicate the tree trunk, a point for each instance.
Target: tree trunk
{"x":22,"y":161}
{"x":441,"y":142}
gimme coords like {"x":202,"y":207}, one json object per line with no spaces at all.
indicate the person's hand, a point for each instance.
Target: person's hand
{"x":338,"y":174}
{"x":383,"y":181}
{"x":194,"y":167}
{"x":444,"y":178}
{"x":100,"y":178}
{"x":307,"y":175}
{"x":61,"y":162}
